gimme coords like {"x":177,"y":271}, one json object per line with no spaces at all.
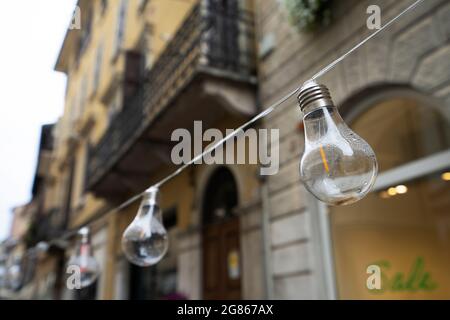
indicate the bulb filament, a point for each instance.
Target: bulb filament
{"x":324,"y":160}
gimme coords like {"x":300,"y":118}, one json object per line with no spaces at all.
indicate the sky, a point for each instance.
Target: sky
{"x":31,"y":92}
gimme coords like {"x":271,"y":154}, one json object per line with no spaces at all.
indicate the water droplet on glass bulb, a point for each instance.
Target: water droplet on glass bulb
{"x":145,"y":241}
{"x":338,"y":167}
{"x":84,"y":259}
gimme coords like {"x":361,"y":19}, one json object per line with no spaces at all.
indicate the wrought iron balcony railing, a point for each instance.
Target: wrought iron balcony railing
{"x":45,"y":226}
{"x":211,"y":40}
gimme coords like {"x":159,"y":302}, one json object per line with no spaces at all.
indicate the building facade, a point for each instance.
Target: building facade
{"x":394,"y":92}
{"x":138,"y":70}
{"x":30,"y":274}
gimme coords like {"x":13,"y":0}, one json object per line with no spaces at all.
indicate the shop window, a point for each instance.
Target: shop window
{"x":403,"y":226}
{"x":402,"y":130}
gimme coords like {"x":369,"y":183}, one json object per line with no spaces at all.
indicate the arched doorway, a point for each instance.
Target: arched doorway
{"x":403,"y":226}
{"x":221,"y":238}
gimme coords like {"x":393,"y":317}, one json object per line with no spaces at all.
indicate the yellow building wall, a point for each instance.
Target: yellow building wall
{"x":164,"y":17}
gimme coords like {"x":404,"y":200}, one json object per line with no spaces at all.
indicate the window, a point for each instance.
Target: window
{"x":142,"y":5}
{"x":83,"y":95}
{"x":403,"y":226}
{"x":97,"y":68}
{"x":146,"y":49}
{"x":72,"y":112}
{"x":86,"y":33}
{"x":120,"y":31}
{"x":104,"y":6}
{"x":115,"y":106}
{"x":77,"y":107}
{"x":81,"y":167}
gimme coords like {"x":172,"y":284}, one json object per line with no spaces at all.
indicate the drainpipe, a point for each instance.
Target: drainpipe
{"x":266,"y":241}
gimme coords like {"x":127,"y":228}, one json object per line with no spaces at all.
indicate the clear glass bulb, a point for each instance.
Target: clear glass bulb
{"x":84,"y":259}
{"x":14,"y":274}
{"x":338,"y":167}
{"x":145,"y":241}
{"x":42,"y":247}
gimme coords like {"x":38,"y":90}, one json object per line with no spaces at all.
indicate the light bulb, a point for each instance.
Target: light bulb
{"x":338,"y":167}
{"x":42,"y":247}
{"x":84,"y":259}
{"x":14,"y":274}
{"x":145,"y":241}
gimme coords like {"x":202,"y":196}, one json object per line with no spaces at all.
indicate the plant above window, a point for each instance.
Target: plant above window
{"x":309,"y":15}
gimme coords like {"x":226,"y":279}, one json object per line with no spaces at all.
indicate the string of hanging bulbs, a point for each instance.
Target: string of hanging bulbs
{"x":338,"y":167}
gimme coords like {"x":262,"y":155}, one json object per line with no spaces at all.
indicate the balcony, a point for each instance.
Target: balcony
{"x":208,"y":67}
{"x":45,"y":226}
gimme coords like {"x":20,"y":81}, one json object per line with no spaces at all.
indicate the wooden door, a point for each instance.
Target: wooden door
{"x":221,"y":261}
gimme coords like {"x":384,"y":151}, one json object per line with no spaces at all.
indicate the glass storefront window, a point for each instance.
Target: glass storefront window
{"x":403,"y":130}
{"x":403,"y":229}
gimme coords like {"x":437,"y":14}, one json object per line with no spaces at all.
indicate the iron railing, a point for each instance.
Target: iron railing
{"x":212,"y":40}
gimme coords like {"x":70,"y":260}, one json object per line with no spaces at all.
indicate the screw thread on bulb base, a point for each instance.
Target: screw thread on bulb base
{"x":313,"y":95}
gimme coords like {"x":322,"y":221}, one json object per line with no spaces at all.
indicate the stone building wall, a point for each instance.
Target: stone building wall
{"x":415,"y":52}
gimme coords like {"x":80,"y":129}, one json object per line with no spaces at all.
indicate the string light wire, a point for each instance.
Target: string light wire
{"x":211,"y":148}
{"x":363,"y":42}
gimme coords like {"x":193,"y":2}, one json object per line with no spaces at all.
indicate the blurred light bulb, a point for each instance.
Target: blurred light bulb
{"x":338,"y":167}
{"x":392,"y":191}
{"x":84,"y":259}
{"x":401,"y":189}
{"x":14,"y":273}
{"x":145,"y":241}
{"x":42,"y":247}
{"x":446,"y":176}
